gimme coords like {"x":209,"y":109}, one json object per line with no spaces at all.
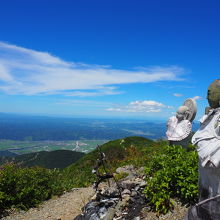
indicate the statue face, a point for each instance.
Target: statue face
{"x":212,"y":99}
{"x":181,"y":113}
{"x":180,"y":116}
{"x":213,"y":94}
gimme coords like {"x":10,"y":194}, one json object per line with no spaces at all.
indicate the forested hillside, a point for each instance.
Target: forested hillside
{"x":50,"y":160}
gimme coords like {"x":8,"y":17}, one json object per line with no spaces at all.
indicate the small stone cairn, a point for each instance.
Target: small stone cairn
{"x":114,"y":200}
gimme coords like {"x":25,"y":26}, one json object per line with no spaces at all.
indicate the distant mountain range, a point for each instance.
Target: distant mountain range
{"x":53,"y":159}
{"x":7,"y":153}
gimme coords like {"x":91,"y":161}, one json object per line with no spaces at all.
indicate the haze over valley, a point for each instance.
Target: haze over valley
{"x":21,"y":134}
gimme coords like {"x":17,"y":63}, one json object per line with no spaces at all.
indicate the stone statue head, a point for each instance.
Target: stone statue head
{"x":213,"y":94}
{"x":182,"y":112}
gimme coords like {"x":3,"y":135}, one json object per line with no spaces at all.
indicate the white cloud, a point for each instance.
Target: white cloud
{"x":140,"y":106}
{"x":100,"y":92}
{"x":178,"y":94}
{"x":29,"y":72}
{"x":197,"y":97}
{"x":4,"y":74}
{"x":77,"y":102}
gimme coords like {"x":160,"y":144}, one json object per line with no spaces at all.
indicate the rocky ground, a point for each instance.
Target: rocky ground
{"x":65,"y":207}
{"x":108,"y":203}
{"x":124,"y":200}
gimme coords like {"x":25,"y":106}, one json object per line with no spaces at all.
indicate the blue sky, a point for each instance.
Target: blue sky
{"x":107,"y":58}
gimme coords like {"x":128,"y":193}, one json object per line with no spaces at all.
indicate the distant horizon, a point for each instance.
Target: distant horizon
{"x":87,"y":116}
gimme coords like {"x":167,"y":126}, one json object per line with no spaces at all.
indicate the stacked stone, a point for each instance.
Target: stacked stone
{"x":123,"y":200}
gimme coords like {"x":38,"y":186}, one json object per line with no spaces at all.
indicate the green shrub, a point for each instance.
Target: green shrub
{"x":172,"y":173}
{"x":27,"y":187}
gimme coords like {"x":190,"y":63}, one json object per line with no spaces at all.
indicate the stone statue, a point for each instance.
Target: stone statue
{"x":207,"y":139}
{"x":179,"y":127}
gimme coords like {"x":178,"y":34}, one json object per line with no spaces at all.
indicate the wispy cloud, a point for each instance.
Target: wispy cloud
{"x":104,"y":91}
{"x":77,"y":102}
{"x":197,"y":98}
{"x":141,"y":106}
{"x":178,"y":94}
{"x":29,"y":72}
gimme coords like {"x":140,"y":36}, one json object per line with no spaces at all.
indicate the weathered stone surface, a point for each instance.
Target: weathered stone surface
{"x":128,"y":184}
{"x":126,"y":169}
{"x":118,"y":201}
{"x":126,"y":191}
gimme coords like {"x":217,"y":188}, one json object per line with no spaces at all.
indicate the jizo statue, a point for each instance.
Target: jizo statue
{"x":179,"y":127}
{"x":207,"y":139}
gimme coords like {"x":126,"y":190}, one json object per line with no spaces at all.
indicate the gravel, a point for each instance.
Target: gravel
{"x":65,"y":207}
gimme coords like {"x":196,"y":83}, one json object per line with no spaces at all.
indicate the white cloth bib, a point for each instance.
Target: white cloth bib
{"x":177,"y":131}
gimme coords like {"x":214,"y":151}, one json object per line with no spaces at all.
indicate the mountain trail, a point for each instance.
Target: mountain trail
{"x":69,"y":205}
{"x":65,"y":207}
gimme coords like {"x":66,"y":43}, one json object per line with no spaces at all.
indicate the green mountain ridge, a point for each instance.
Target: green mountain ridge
{"x":46,"y":159}
{"x":130,"y":150}
{"x":7,"y":153}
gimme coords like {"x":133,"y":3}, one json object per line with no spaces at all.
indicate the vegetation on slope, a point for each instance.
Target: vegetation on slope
{"x":171,"y":172}
{"x":131,"y":150}
{"x":47,"y":159}
{"x":27,"y":187}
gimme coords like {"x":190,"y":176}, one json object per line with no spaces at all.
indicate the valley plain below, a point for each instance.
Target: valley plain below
{"x":21,"y":134}
{"x":23,"y":147}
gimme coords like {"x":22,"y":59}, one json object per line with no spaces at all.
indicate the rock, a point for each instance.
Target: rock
{"x":126,"y":169}
{"x":126,"y":191}
{"x":133,"y":193}
{"x":110,"y":214}
{"x":143,"y":184}
{"x":126,"y":197}
{"x":131,"y":176}
{"x":107,"y":205}
{"x":141,"y":169}
{"x":128,"y":184}
{"x":94,"y":197}
{"x":137,"y":188}
{"x":121,"y":170}
{"x":118,"y":218}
